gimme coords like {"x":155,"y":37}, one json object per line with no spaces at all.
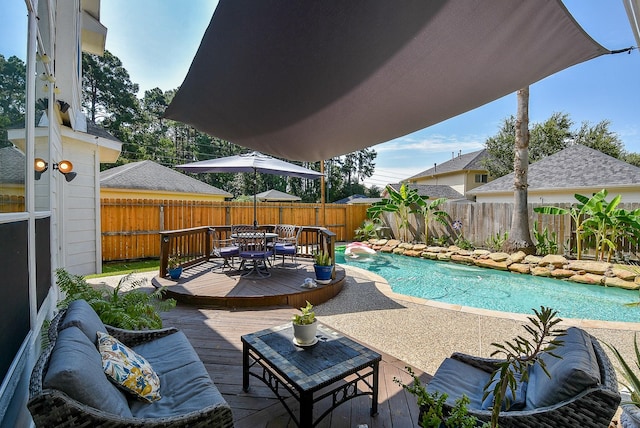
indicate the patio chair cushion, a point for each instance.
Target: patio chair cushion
{"x":82,"y":315}
{"x":456,"y":378}
{"x":576,"y":371}
{"x":287,"y":249}
{"x":515,"y":403}
{"x":75,"y":368}
{"x":128,"y":369}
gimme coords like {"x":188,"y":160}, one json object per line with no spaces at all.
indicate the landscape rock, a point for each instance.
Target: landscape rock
{"x":412,"y":253}
{"x":393,"y":243}
{"x":520,"y":268}
{"x":553,"y":259}
{"x":405,"y":245}
{"x":517,"y":257}
{"x":617,"y":282}
{"x":387,"y":249}
{"x":430,"y":255}
{"x":481,"y":252}
{"x":588,"y":266}
{"x":540,"y":271}
{"x":624,"y":274}
{"x":444,"y":256}
{"x":562,"y":273}
{"x":491,"y":264}
{"x":436,"y":249}
{"x":419,"y":247}
{"x":587,"y":278}
{"x":532,"y":260}
{"x":461,"y":258}
{"x":398,"y":250}
{"x":498,"y":257}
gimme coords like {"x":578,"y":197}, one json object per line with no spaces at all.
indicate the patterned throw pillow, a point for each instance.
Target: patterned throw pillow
{"x":127,"y":369}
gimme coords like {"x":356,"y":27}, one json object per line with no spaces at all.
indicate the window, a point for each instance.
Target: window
{"x":481,"y":178}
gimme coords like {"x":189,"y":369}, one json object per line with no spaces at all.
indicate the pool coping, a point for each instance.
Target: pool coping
{"x":383,"y":286}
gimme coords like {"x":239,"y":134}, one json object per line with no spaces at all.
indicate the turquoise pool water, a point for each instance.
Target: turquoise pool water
{"x":496,"y":290}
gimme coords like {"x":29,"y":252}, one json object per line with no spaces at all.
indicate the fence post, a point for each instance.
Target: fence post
{"x":161,"y":217}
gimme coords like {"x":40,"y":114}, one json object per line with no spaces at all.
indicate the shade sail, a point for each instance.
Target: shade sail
{"x":313,"y":80}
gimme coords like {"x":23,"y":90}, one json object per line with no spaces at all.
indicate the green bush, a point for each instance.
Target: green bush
{"x":126,"y":306}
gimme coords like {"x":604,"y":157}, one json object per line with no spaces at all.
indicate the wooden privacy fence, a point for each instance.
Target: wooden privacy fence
{"x":131,"y":227}
{"x":483,"y":221}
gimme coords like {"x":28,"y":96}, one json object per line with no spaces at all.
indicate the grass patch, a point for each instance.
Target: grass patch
{"x":123,"y":268}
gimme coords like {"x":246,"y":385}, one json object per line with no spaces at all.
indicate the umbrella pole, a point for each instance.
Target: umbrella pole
{"x":255,"y":209}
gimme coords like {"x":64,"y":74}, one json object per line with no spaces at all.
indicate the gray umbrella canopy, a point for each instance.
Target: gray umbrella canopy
{"x":251,"y":162}
{"x":313,"y":80}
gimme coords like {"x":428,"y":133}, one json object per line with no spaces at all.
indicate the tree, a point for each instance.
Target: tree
{"x":546,"y":139}
{"x":600,"y":138}
{"x":633,"y":159}
{"x":108,"y":94}
{"x":519,"y":235}
{"x":13,"y":74}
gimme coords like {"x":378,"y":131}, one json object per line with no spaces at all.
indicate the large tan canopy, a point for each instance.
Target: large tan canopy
{"x":309,"y":80}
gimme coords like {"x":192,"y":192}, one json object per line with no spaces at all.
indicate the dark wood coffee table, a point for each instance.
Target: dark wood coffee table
{"x":312,"y":373}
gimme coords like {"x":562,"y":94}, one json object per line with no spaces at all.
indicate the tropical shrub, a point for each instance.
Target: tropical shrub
{"x":126,"y":306}
{"x":368,"y":230}
{"x":399,"y":204}
{"x":545,"y":243}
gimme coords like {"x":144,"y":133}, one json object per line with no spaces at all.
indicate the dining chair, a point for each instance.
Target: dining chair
{"x":286,"y":244}
{"x":254,"y":253}
{"x":223,"y":248}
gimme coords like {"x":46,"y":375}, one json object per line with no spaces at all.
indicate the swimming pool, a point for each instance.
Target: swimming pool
{"x":496,"y":290}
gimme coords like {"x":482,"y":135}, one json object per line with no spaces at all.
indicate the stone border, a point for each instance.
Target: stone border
{"x":551,"y":266}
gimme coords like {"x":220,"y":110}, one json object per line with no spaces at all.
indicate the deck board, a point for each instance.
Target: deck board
{"x":215,"y":334}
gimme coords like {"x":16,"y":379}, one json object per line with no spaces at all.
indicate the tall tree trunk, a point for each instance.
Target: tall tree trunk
{"x":519,"y":235}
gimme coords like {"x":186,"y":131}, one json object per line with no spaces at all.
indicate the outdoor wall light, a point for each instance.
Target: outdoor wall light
{"x":66,"y":168}
{"x":40,"y":166}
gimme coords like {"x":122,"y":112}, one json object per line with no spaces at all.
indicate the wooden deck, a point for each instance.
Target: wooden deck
{"x":207,"y":284}
{"x":215,"y":334}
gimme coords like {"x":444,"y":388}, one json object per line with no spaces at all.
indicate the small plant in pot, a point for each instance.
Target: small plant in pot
{"x":174,"y":267}
{"x":323,"y":266}
{"x":305,"y":326}
{"x":630,"y":417}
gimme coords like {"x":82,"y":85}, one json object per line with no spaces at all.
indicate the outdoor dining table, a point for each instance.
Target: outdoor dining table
{"x":269,"y":236}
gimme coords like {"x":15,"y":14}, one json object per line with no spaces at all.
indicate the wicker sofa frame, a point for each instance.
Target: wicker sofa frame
{"x":53,"y":408}
{"x":593,"y":408}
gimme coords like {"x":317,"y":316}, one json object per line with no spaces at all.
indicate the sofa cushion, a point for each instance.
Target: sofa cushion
{"x":515,"y":403}
{"x":184,"y":389}
{"x":456,"y":378}
{"x":80,"y":314}
{"x":75,"y":368}
{"x":129,"y":370}
{"x":575,"y":372}
{"x":155,"y":351}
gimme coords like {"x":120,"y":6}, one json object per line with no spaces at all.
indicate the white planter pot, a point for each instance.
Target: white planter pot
{"x":305,"y":334}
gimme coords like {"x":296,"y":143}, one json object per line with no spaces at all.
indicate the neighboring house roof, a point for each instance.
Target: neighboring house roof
{"x":98,"y":131}
{"x":12,"y":165}
{"x":468,"y":161}
{"x":148,"y":175}
{"x":349,"y":199}
{"x":276,"y":195}
{"x":433,"y":191}
{"x":575,"y":166}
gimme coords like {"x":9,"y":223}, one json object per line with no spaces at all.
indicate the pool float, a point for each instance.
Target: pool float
{"x":357,"y":249}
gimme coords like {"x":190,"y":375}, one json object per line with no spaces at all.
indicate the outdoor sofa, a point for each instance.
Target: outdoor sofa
{"x":69,"y":388}
{"x":581,"y":392}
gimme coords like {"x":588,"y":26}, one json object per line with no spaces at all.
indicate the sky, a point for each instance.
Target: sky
{"x":156,"y":41}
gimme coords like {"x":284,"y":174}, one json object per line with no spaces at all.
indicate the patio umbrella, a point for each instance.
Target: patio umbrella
{"x":313,"y":80}
{"x":251,"y":162}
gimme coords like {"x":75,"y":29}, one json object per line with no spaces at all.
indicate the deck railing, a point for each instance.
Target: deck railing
{"x":194,"y":245}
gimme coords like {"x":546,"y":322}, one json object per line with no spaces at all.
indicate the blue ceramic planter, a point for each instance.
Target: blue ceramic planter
{"x":175,"y":273}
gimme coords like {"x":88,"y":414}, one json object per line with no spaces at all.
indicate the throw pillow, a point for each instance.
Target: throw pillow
{"x":129,"y":370}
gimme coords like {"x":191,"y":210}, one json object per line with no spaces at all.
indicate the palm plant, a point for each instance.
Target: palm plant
{"x":400,"y":204}
{"x":429,"y":210}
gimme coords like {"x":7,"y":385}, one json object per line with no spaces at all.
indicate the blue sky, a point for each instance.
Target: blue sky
{"x":157,"y":39}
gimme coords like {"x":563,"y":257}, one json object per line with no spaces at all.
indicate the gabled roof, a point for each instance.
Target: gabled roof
{"x":575,"y":166}
{"x":148,"y":175}
{"x":468,"y":161}
{"x":276,"y":195}
{"x":12,"y":166}
{"x":433,"y":191}
{"x":357,"y":199}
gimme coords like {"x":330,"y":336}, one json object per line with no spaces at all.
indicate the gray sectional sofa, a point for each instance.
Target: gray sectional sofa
{"x":69,"y":388}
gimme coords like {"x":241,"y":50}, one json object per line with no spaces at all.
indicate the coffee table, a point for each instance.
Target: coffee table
{"x":313,"y":373}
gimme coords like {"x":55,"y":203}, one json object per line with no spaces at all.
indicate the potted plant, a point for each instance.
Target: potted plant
{"x":323,"y":266}
{"x":173,"y":266}
{"x":305,"y":326}
{"x":630,"y":417}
